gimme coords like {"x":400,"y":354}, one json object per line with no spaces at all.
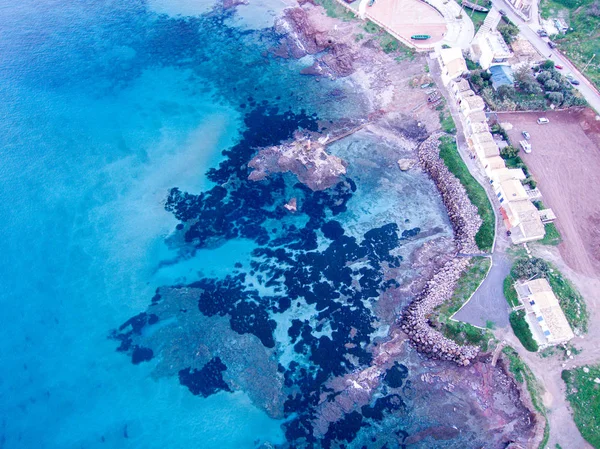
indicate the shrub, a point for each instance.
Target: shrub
{"x":551,"y":85}
{"x":556,"y":98}
{"x":509,"y":151}
{"x":522,"y":330}
{"x":508,"y":31}
{"x":548,"y":64}
{"x":471,"y":65}
{"x":543,"y":77}
{"x":510,"y":294}
{"x":527,"y":268}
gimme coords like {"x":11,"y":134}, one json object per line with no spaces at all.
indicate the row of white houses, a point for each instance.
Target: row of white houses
{"x":521,"y":217}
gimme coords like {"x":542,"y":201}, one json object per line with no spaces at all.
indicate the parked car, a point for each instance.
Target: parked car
{"x":526,"y":146}
{"x":526,"y":135}
{"x":575,"y":82}
{"x":559,"y":67}
{"x":542,"y":121}
{"x":542,"y":33}
{"x":551,"y":44}
{"x":502,"y":12}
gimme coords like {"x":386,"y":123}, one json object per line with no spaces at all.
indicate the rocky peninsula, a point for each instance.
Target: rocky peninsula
{"x":305,"y":157}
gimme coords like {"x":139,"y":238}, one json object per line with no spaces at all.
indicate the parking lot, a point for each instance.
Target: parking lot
{"x":565,"y":160}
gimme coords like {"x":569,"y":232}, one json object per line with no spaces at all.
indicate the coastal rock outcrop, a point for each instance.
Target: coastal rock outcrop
{"x":305,"y":37}
{"x":304,"y":157}
{"x":406,"y":164}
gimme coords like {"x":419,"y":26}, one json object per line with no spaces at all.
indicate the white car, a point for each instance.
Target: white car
{"x":526,"y":146}
{"x":542,"y":121}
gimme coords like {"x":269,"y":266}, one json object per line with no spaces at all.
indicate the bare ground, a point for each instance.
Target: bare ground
{"x":565,"y":160}
{"x":566,"y":163}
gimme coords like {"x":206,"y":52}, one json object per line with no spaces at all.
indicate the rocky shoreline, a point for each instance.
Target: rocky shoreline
{"x":304,"y":34}
{"x":465,"y":222}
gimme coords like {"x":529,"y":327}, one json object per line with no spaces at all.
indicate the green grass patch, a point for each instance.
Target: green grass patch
{"x":334,"y":9}
{"x":509,"y":291}
{"x":388,"y":43}
{"x":469,"y":281}
{"x":551,"y":8}
{"x":449,"y":153}
{"x":523,"y":373}
{"x":464,"y":333}
{"x":583,"y":42}
{"x":552,"y":236}
{"x":584,"y":396}
{"x":447,"y":122}
{"x":522,"y":330}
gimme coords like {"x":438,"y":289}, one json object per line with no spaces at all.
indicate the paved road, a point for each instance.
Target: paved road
{"x":529,"y":31}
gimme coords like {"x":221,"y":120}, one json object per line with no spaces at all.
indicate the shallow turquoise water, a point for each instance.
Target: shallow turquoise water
{"x":94,"y":132}
{"x":105,"y":107}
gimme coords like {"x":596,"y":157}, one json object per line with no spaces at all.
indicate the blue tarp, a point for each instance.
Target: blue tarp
{"x":502,"y":75}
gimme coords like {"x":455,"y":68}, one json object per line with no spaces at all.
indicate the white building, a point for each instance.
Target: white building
{"x":544,"y":315}
{"x":452,"y":64}
{"x":489,"y":49}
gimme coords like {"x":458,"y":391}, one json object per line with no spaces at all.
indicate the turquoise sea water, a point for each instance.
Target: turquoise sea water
{"x":106,"y":106}
{"x":101,"y":114}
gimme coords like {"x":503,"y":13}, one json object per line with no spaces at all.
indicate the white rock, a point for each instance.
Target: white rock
{"x":586,"y":369}
{"x":406,"y":164}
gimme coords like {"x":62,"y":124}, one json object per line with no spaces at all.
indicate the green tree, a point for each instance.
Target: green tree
{"x":548,"y":64}
{"x":543,"y":76}
{"x":556,"y":98}
{"x":551,"y":85}
{"x":509,"y":152}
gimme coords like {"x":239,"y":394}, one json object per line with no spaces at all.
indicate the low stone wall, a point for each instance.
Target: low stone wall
{"x":462,"y":213}
{"x":414,"y":321}
{"x":466,"y":222}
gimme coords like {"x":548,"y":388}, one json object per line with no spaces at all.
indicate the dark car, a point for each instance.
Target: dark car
{"x":575,"y":82}
{"x":551,"y":44}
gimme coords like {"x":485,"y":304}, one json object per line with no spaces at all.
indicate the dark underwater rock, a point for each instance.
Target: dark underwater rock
{"x":206,"y":381}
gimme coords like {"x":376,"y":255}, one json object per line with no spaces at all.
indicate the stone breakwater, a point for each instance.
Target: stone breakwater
{"x":462,"y":213}
{"x":414,"y":321}
{"x":465,"y":222}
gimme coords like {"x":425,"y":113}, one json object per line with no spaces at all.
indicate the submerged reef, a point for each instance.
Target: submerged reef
{"x":295,"y":326}
{"x":308,"y":325}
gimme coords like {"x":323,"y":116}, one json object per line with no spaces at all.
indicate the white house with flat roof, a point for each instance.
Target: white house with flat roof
{"x":489,"y":48}
{"x":543,"y":313}
{"x":458,"y":86}
{"x":471,"y":104}
{"x":452,"y":64}
{"x":505,"y":174}
{"x":523,"y":220}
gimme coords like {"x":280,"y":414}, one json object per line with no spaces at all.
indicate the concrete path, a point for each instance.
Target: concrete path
{"x":488,"y":303}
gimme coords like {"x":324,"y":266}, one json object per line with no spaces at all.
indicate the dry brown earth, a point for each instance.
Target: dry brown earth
{"x":565,"y":160}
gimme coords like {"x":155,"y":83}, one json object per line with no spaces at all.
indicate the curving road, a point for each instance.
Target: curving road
{"x":529,"y":31}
